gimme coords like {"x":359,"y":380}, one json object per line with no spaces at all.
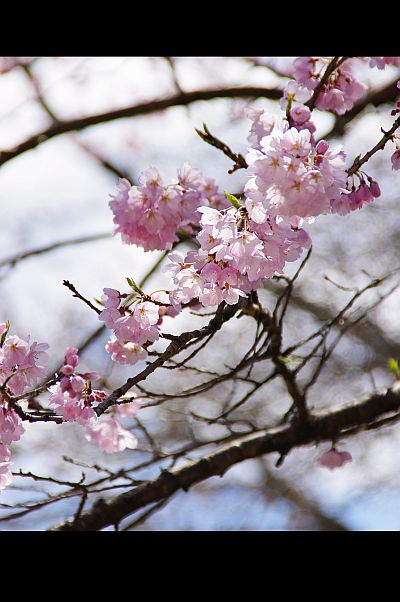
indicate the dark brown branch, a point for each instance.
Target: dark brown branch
{"x":320,"y":427}
{"x":238,"y":159}
{"x":333,"y":65}
{"x":379,"y":146}
{"x":14,"y":259}
{"x":143,"y":108}
{"x":178,"y":343}
{"x":75,"y":293}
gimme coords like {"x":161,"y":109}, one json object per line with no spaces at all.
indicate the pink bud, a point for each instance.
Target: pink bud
{"x":71,"y":356}
{"x":334,"y":459}
{"x":322,"y":147}
{"x":395,"y":159}
{"x":300,"y":114}
{"x":374,"y":188}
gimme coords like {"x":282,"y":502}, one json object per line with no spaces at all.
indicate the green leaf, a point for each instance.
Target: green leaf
{"x":233,"y":200}
{"x":133,"y":285}
{"x":289,"y":360}
{"x":393,"y":366}
{"x":5,"y":333}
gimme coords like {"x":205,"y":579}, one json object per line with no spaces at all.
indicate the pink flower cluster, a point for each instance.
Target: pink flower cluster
{"x":365,"y":193}
{"x":72,"y":396}
{"x":236,"y":253}
{"x":150,"y":215}
{"x":382,"y":61}
{"x":395,"y":158}
{"x":342,"y":89}
{"x":292,"y":177}
{"x":11,"y":429}
{"x":22,"y":363}
{"x":134,"y":326}
{"x":5,"y":473}
{"x":292,"y":101}
{"x":110,"y":435}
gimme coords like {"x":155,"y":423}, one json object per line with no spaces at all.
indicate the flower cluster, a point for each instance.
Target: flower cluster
{"x":110,"y":435}
{"x":5,"y":473}
{"x":395,"y":158}
{"x":236,"y":253}
{"x":367,"y":190}
{"x":293,"y":102}
{"x":150,"y":215}
{"x":11,"y":429}
{"x":72,"y":397}
{"x":341,"y":90}
{"x":292,"y":177}
{"x":135,"y":325}
{"x":22,"y":363}
{"x":381,"y":61}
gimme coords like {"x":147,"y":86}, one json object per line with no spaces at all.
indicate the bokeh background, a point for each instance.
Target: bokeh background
{"x":59,"y":192}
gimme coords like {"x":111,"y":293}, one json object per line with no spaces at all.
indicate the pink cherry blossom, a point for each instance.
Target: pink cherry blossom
{"x":5,"y":453}
{"x":241,"y":254}
{"x":128,"y":410}
{"x":125,"y":353}
{"x":72,"y":397}
{"x":146,"y":314}
{"x":111,"y":298}
{"x":341,"y":90}
{"x":11,"y":427}
{"x":381,"y":61}
{"x":150,"y":215}
{"x":334,"y":459}
{"x":110,"y":436}
{"x":22,"y":364}
{"x":5,"y":473}
{"x":395,"y":159}
{"x":288,"y":177}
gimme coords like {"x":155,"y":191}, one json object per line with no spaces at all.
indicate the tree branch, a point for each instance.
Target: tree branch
{"x":320,"y":427}
{"x":144,"y":108}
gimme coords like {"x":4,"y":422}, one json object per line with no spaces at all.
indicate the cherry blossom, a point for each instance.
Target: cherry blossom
{"x":11,"y":427}
{"x":341,"y":90}
{"x":381,"y":61}
{"x":125,"y":353}
{"x":72,"y":396}
{"x":395,"y":159}
{"x":334,"y":459}
{"x":134,"y":324}
{"x":236,"y":253}
{"x":289,"y":177}
{"x":151,"y":214}
{"x":22,"y":363}
{"x":110,"y":435}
